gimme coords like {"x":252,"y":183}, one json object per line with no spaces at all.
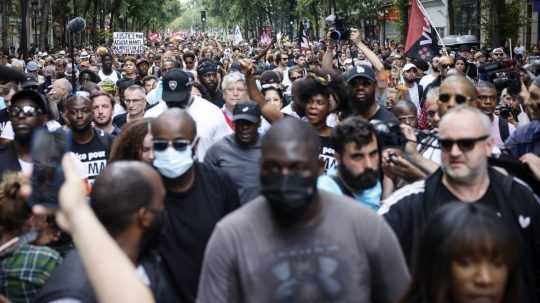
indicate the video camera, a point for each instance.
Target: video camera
{"x":502,"y":74}
{"x":390,"y":135}
{"x":338,"y":29}
{"x":504,"y":111}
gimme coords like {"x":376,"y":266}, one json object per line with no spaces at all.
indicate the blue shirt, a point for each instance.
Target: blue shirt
{"x":370,"y":197}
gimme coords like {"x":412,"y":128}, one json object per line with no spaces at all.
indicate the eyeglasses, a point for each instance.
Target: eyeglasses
{"x":465,"y":145}
{"x":27,"y":111}
{"x":179,"y":145}
{"x":460,"y":99}
{"x":445,"y":66}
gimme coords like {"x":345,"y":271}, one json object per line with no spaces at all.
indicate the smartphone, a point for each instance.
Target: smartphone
{"x":47,"y":151}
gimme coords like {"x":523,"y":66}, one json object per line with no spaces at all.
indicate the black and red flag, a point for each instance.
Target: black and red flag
{"x":422,"y":40}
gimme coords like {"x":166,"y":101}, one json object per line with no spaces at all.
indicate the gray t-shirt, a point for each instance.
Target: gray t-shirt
{"x":346,"y":254}
{"x":240,"y":163}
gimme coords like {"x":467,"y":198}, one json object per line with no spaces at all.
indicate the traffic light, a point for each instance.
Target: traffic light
{"x":203,"y":16}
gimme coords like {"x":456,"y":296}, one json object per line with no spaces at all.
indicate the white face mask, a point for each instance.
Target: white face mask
{"x":2,"y":103}
{"x":172,"y":163}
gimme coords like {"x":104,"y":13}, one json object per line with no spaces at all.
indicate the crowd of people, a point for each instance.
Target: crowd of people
{"x":207,"y":171}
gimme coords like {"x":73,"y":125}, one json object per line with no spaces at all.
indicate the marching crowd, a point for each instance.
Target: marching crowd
{"x":202,"y":171}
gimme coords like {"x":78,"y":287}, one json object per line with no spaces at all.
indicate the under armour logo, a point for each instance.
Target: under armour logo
{"x":524,"y":221}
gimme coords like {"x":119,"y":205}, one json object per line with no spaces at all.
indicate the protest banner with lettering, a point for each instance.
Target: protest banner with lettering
{"x":128,"y":43}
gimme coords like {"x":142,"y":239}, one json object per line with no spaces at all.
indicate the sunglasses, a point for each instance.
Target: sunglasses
{"x":460,"y":99}
{"x":465,"y":145}
{"x":179,"y":145}
{"x":447,"y":66}
{"x":27,"y":111}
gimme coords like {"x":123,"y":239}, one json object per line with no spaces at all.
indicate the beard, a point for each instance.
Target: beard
{"x":362,"y":106}
{"x":361,"y":182}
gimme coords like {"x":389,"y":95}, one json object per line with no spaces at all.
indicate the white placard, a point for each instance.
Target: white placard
{"x":128,"y":43}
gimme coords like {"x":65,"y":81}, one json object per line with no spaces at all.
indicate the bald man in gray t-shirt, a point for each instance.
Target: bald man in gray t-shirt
{"x":345,"y":254}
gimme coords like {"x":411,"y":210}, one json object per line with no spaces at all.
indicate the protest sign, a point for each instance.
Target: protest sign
{"x":125,"y":43}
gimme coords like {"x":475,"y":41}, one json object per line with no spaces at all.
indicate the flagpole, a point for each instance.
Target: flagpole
{"x":423,"y":9}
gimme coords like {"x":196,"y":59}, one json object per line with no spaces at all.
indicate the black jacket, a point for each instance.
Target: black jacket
{"x":408,"y":209}
{"x":69,"y":280}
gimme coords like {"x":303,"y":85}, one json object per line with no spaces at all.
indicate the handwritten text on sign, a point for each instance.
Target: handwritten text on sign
{"x":128,"y":43}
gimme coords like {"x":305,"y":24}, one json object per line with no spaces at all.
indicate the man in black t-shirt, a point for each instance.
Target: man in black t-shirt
{"x":362,"y":102}
{"x":198,"y":196}
{"x":464,"y":137}
{"x":90,"y":145}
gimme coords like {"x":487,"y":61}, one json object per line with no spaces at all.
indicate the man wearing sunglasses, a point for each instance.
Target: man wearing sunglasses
{"x":197,"y":197}
{"x":498,"y":54}
{"x":445,"y":63}
{"x":28,"y":112}
{"x":464,"y":136}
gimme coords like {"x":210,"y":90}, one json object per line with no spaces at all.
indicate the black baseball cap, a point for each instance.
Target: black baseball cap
{"x":34,"y":96}
{"x":177,"y":85}
{"x":363,"y":71}
{"x":247,"y":110}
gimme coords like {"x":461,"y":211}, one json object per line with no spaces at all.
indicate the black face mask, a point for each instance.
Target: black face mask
{"x":151,"y":237}
{"x":289,"y":196}
{"x":361,"y":182}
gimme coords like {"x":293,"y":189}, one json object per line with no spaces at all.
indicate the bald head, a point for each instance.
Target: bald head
{"x":469,"y":117}
{"x":292,"y":131}
{"x":456,"y":90}
{"x":462,"y":85}
{"x":172,"y":122}
{"x":122,"y":189}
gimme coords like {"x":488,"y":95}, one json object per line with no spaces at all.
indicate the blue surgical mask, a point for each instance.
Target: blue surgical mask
{"x":172,"y":163}
{"x":2,"y":103}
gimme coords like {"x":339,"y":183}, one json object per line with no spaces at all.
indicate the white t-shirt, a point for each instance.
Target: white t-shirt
{"x":415,"y":98}
{"x":113,"y":76}
{"x":211,"y":124}
{"x":426,"y":80}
